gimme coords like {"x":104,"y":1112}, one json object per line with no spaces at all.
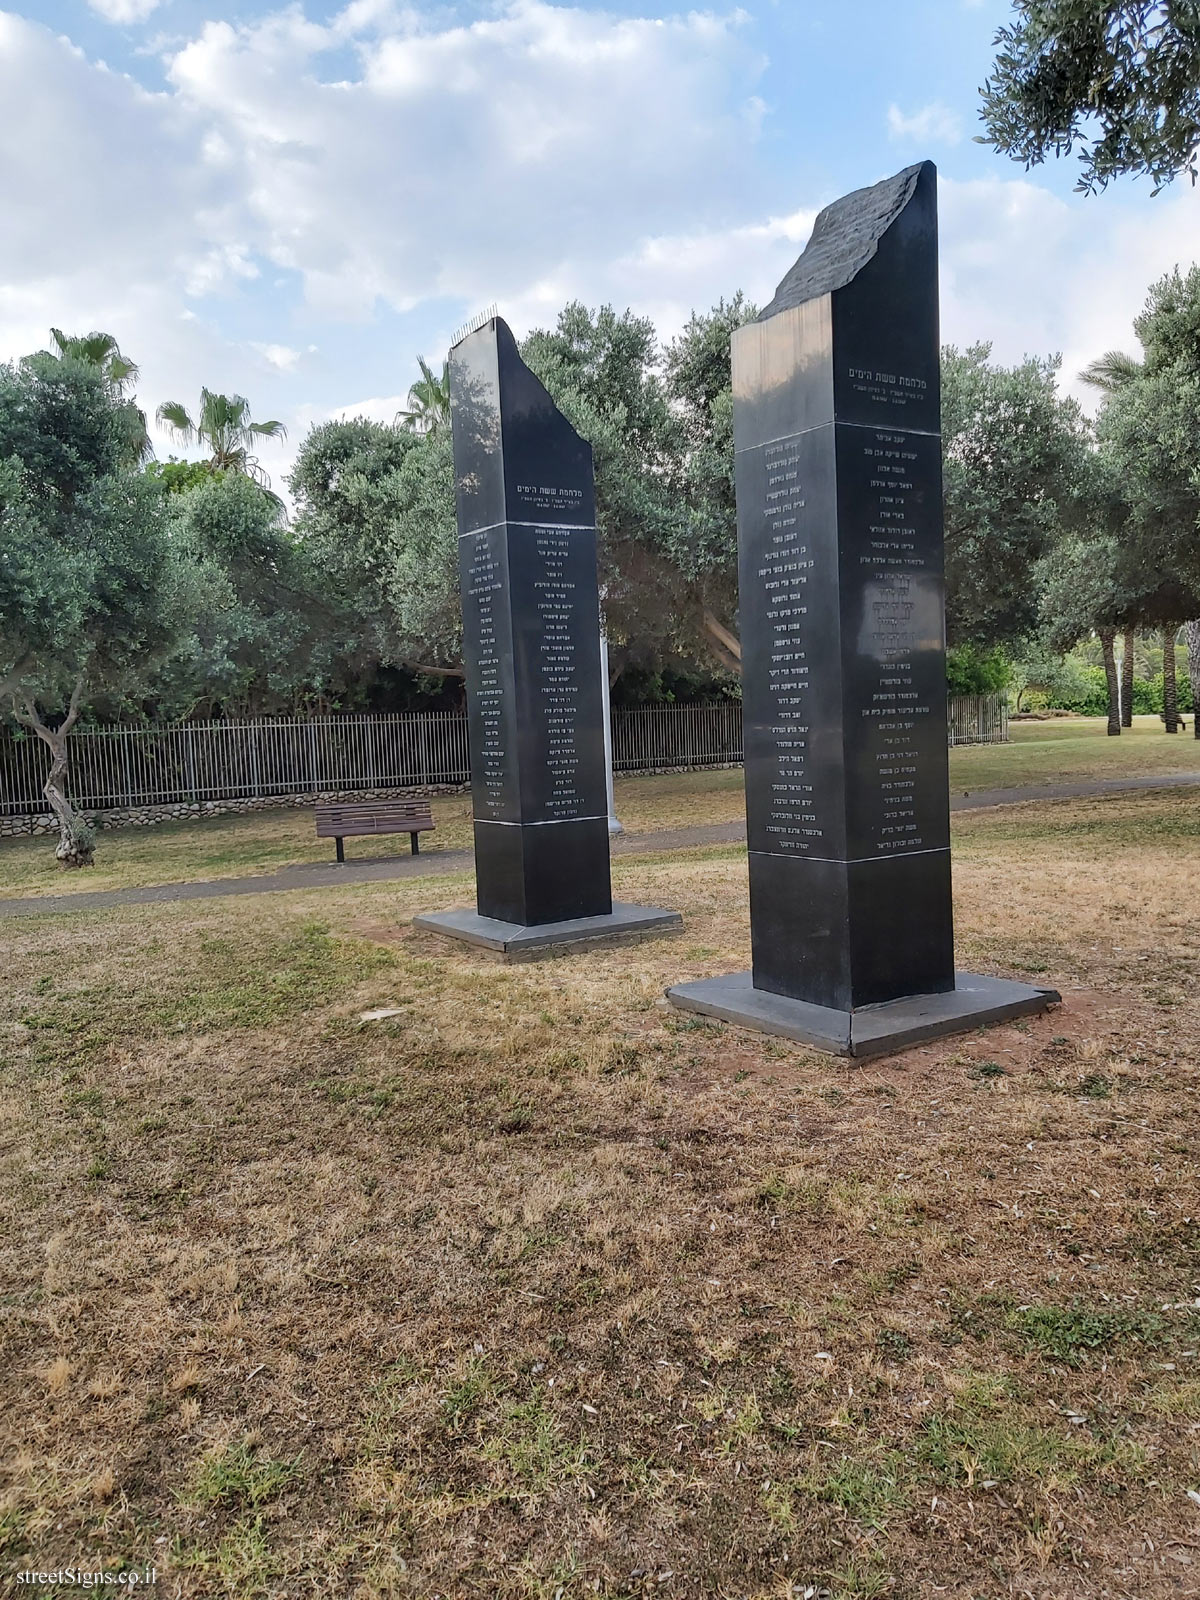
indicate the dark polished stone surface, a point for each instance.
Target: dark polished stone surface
{"x":838,"y":472}
{"x":542,"y":874}
{"x":514,"y":939}
{"x":531,"y":640}
{"x":516,"y":457}
{"x":851,"y":933}
{"x":877,"y":1030}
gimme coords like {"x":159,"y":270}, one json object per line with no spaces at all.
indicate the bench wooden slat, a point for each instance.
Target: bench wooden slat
{"x":348,"y":819}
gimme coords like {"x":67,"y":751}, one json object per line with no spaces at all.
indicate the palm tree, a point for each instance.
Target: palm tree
{"x":224,"y":428}
{"x":1191,"y":632}
{"x":1112,"y":371}
{"x":428,"y":400}
{"x":101,"y":352}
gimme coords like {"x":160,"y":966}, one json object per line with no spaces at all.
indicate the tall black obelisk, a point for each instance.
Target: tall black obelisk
{"x":837,"y":419}
{"x":531,"y":644}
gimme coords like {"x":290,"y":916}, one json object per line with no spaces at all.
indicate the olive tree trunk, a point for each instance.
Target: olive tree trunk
{"x":1107,"y":640}
{"x":1127,"y":681}
{"x":76,"y":844}
{"x":1191,"y":632}
{"x":1170,"y":694}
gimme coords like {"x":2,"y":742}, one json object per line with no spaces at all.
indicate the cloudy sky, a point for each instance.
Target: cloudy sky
{"x":291,"y":201}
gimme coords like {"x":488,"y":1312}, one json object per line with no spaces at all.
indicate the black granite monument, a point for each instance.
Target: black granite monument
{"x":531,"y":642}
{"x":838,"y":465}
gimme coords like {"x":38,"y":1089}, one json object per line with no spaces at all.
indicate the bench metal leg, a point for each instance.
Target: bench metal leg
{"x":341,"y":854}
{"x":416,"y":843}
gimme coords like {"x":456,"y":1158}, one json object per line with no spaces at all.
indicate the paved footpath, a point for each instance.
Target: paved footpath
{"x":437,"y":863}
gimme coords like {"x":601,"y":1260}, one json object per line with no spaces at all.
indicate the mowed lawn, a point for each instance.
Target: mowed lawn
{"x":538,"y":1288}
{"x":1068,"y":751}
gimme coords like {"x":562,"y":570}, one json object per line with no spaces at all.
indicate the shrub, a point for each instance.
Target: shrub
{"x":970,"y":670}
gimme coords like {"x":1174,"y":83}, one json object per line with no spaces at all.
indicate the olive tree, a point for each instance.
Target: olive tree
{"x":93,"y":594}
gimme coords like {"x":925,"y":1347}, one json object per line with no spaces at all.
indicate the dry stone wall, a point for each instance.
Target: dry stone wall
{"x":149,"y":816}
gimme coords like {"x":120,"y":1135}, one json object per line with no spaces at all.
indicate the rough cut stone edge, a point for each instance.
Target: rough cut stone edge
{"x":845,"y":237}
{"x":872,"y":1030}
{"x":512,"y":942}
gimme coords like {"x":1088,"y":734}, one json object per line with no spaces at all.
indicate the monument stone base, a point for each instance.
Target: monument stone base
{"x":868,"y":1030}
{"x":512,"y":941}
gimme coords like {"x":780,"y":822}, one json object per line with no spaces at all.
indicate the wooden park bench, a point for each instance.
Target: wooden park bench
{"x":349,"y":819}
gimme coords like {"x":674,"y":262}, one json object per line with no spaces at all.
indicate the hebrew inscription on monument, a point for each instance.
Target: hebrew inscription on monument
{"x":531,"y":646}
{"x":839,"y":498}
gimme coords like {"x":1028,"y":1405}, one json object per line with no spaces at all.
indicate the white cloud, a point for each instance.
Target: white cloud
{"x":461,"y":153}
{"x":124,"y":10}
{"x":461,"y":166}
{"x":1035,"y":273}
{"x":546,"y":152}
{"x":932,"y":124}
{"x":280,"y":356}
{"x":1021,"y":268}
{"x":378,"y":409}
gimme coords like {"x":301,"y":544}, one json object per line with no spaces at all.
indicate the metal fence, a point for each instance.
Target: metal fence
{"x":184,"y":762}
{"x":658,"y":738}
{"x":116,"y":767}
{"x":978,"y":719}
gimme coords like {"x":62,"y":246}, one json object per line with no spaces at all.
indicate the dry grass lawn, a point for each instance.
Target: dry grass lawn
{"x":1068,"y":751}
{"x":264,"y":841}
{"x":540,"y":1289}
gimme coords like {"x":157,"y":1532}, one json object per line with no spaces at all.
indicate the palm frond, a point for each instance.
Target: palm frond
{"x":175,"y":417}
{"x":1111,"y":371}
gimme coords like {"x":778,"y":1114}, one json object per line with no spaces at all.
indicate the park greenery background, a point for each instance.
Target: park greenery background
{"x":340,"y":1265}
{"x":152,"y":590}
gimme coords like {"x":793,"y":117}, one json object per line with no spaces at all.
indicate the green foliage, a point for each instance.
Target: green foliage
{"x":1070,"y":1334}
{"x":375,"y":515}
{"x":101,"y":352}
{"x":1043,"y":677}
{"x":699,"y":383}
{"x":428,"y":400}
{"x":178,"y":476}
{"x":1120,"y":80}
{"x":1014,"y":453}
{"x":602,"y":371}
{"x":223,"y":427}
{"x":970,"y":670}
{"x":638,"y":686}
{"x":1147,"y":553}
{"x":265,"y":635}
{"x":92,"y":588}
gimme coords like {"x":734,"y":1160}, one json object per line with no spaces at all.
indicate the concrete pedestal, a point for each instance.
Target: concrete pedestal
{"x":513,"y":941}
{"x":874,"y":1030}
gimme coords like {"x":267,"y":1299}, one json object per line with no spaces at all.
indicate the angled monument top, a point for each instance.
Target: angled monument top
{"x":516,"y":457}
{"x":844,"y":239}
{"x":852,"y":333}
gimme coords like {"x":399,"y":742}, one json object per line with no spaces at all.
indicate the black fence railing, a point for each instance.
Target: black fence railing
{"x":117,"y":767}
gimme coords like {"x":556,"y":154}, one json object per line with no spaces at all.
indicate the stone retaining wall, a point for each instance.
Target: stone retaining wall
{"x":149,"y":816}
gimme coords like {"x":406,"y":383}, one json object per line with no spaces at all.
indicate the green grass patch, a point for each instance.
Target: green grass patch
{"x":868,"y":1490}
{"x":966,"y":1450}
{"x":239,"y":1477}
{"x":533,"y":1449}
{"x":1071,"y":1334}
{"x":243,"y":1559}
{"x":252,"y":981}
